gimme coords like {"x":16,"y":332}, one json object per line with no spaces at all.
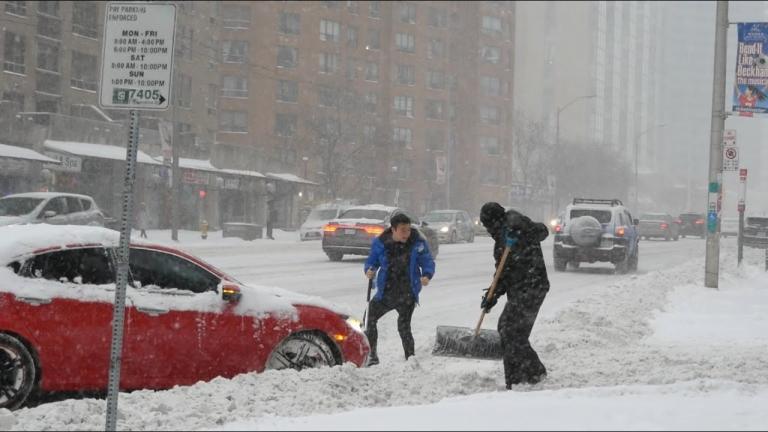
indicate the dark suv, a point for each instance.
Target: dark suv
{"x":692,"y":224}
{"x":596,"y":230}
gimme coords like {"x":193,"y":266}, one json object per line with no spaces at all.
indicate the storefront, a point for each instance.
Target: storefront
{"x":22,"y":170}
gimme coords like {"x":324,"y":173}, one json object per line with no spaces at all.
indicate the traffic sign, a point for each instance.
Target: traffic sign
{"x":729,"y":138}
{"x":731,"y":158}
{"x":137,"y":56}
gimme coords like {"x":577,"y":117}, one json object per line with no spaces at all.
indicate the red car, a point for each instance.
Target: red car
{"x":185,"y":320}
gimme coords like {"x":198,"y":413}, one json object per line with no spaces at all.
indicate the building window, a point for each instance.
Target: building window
{"x":234,"y":86}
{"x":408,"y":13}
{"x":49,"y":27}
{"x":435,"y":109}
{"x":435,"y":139}
{"x":436,"y":79}
{"x":233,"y":121}
{"x":15,"y":98}
{"x":491,"y":25}
{"x":404,"y":106}
{"x":374,"y":9}
{"x":290,"y":23}
{"x":236,"y":16}
{"x":491,"y":86}
{"x":353,"y":6}
{"x":50,"y":8}
{"x":374,"y":39}
{"x":285,"y":124}
{"x":406,"y":74}
{"x":402,"y":137}
{"x":490,"y":55}
{"x":329,"y":31}
{"x":287,"y":57}
{"x":16,"y":8}
{"x":84,"y":71}
{"x":371,"y":102}
{"x":329,"y":63}
{"x":85,"y":19}
{"x":405,"y":42}
{"x":490,"y":145}
{"x":235,"y":51}
{"x":489,"y":114}
{"x":352,"y":36}
{"x":287,"y":91}
{"x":184,"y":91}
{"x":48,"y":82}
{"x":437,"y":17}
{"x":47,"y":56}
{"x":371,"y":71}
{"x":436,"y":49}
{"x":15,"y":47}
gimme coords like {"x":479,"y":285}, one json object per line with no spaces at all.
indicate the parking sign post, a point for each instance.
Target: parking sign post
{"x":741,"y":208}
{"x":136,"y":72}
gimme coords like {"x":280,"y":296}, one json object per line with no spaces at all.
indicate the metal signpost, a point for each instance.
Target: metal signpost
{"x":742,"y":207}
{"x":136,"y":72}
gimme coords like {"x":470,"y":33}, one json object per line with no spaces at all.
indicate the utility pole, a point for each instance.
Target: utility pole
{"x":712,"y":267}
{"x":176,"y":152}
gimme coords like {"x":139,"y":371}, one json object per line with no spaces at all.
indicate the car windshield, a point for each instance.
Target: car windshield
{"x":325,"y":214}
{"x":602,"y":216}
{"x":18,"y":206}
{"x":691,"y":216}
{"x":438,"y":217}
{"x":653,"y":216}
{"x":364,"y":214}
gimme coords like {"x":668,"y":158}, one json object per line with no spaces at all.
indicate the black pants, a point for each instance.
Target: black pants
{"x":377,"y":309}
{"x":521,"y":363}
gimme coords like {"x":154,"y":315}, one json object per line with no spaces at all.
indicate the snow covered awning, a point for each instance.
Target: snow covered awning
{"x":99,"y":151}
{"x":243,"y":173}
{"x":14,"y":152}
{"x":292,"y":178}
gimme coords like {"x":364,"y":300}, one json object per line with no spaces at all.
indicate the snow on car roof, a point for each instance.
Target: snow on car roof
{"x":44,"y":195}
{"x":374,"y":207}
{"x":21,"y":240}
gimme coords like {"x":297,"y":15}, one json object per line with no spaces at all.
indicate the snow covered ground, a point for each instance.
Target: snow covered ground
{"x":655,"y":350}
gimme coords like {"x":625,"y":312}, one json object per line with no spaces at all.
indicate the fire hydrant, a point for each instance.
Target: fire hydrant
{"x":204,"y":229}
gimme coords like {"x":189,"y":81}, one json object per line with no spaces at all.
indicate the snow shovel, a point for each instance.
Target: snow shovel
{"x":454,"y":341}
{"x":367,"y":304}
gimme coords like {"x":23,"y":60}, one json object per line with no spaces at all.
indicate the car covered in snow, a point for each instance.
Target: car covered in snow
{"x":185,"y":320}
{"x":451,"y":226}
{"x":56,"y":208}
{"x":593,"y":230}
{"x":354,"y":230}
{"x":312,"y":228}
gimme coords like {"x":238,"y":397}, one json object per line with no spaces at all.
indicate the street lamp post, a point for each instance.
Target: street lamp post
{"x":637,"y":140}
{"x":557,"y":141}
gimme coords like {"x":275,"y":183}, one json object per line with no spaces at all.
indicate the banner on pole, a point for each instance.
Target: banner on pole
{"x":750,"y":93}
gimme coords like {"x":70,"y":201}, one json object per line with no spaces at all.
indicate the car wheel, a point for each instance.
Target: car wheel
{"x":633,"y":261}
{"x":574,"y":264}
{"x":301,"y":351}
{"x":667,"y":237}
{"x":17,"y":372}
{"x":334,"y":256}
{"x":560,"y":264}
{"x":471,"y":237}
{"x":677,"y":237}
{"x":453,"y":237}
{"x":622,"y":267}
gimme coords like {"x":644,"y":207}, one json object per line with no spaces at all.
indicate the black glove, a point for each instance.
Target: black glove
{"x":487,"y":304}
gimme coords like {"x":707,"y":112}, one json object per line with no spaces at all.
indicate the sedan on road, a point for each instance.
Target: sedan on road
{"x":451,"y":225}
{"x":185,"y":320}
{"x":660,"y":225}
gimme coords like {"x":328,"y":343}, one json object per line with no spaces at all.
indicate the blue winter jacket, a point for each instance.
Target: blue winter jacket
{"x":420,"y":263}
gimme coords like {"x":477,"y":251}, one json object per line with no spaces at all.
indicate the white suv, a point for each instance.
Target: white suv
{"x":56,"y":208}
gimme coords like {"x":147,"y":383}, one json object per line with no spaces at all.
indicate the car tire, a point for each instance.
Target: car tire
{"x":18,"y":373}
{"x":622,"y":267}
{"x":560,"y":264}
{"x":334,"y":256}
{"x":453,"y":237}
{"x":634,"y":260}
{"x":574,"y":265}
{"x":677,"y":237}
{"x":667,"y":237}
{"x":586,"y":231}
{"x":301,"y":351}
{"x":471,"y":237}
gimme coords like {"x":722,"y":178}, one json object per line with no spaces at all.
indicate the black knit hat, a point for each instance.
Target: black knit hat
{"x":491,"y":213}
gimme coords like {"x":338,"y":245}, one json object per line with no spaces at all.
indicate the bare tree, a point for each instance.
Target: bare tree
{"x":531,"y":158}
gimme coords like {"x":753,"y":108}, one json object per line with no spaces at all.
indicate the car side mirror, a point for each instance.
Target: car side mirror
{"x":49,"y":214}
{"x":231,"y":294}
{"x":636,"y":221}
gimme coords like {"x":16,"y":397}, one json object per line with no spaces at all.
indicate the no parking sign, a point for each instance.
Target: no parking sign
{"x":731,"y":158}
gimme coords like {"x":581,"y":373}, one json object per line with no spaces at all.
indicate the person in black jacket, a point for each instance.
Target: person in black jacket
{"x":524,"y":281}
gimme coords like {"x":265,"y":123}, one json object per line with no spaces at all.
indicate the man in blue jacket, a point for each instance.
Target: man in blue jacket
{"x":404,"y":264}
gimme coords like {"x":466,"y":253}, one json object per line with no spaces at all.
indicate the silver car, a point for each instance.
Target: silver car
{"x":56,"y":208}
{"x":451,"y":225}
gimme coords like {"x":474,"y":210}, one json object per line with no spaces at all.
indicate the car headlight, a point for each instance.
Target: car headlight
{"x":444,"y":229}
{"x":355,"y":324}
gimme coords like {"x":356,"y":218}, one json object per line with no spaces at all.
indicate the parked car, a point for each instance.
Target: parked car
{"x":451,"y":225}
{"x":54,"y":208}
{"x":661,"y":225}
{"x":312,"y":228}
{"x":729,"y":226}
{"x":692,"y":224}
{"x":354,"y":230}
{"x":756,"y":232}
{"x":597,"y":230}
{"x":185,"y":320}
{"x":478,"y":226}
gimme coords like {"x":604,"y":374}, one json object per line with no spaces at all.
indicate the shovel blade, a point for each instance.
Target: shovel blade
{"x":454,"y":341}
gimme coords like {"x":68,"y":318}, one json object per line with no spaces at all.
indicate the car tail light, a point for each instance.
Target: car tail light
{"x":558,"y":228}
{"x":679,"y":221}
{"x":373,"y":229}
{"x":620,"y":232}
{"x":329,"y":228}
{"x":699,"y":222}
{"x":664,"y":226}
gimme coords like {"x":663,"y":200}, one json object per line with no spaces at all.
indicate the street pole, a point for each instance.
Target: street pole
{"x":712,"y":267}
{"x":637,"y":186}
{"x":175,"y":154}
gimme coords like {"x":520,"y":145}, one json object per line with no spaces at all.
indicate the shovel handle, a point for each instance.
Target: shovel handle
{"x":492,"y":289}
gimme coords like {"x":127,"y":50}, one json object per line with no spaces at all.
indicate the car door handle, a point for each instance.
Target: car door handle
{"x":152,"y":311}
{"x":34,"y":301}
